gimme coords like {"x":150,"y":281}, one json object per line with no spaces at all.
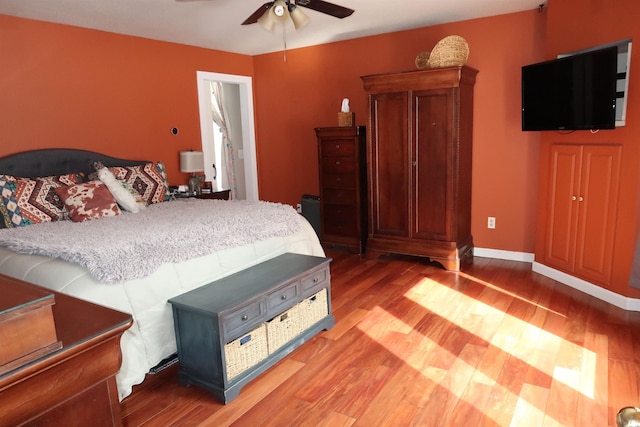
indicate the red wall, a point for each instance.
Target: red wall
{"x":294,"y":97}
{"x":606,"y":22}
{"x":64,"y":86}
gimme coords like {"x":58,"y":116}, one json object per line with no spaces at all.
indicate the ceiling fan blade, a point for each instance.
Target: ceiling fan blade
{"x":257,"y":14}
{"x":326,"y":7}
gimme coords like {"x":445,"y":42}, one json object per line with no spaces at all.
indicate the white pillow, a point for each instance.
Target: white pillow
{"x":123,"y":196}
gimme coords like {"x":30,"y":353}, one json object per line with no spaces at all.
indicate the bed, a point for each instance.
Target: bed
{"x":139,"y":283}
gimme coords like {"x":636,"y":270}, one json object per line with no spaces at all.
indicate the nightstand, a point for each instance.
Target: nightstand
{"x":221,"y":195}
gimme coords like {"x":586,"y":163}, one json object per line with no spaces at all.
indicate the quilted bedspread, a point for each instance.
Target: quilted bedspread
{"x":132,"y":246}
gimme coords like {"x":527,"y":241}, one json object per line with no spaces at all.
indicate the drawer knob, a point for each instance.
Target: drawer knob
{"x":245,"y":317}
{"x":338,"y":162}
{"x":283,"y":297}
{"x":316,"y":280}
{"x":338,"y":146}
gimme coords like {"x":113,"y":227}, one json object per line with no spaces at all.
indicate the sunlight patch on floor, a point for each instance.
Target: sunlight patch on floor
{"x":455,"y":384}
{"x":512,"y":335}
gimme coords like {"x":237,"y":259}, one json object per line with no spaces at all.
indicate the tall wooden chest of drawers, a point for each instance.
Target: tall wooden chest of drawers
{"x":343,"y":183}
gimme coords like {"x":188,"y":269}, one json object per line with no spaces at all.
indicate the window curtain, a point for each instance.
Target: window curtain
{"x":220,"y":118}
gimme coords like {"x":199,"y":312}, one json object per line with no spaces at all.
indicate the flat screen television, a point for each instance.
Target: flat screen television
{"x":576,"y":92}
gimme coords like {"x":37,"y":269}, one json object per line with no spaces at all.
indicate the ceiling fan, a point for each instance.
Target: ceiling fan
{"x":277,"y":11}
{"x":280,"y":7}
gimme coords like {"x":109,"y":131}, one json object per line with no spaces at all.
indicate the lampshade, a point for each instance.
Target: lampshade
{"x":267,"y":21}
{"x":299,"y":18}
{"x":279,"y":11}
{"x":191,"y":161}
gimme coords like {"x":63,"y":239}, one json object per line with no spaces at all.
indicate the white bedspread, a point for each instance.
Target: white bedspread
{"x":151,"y":338}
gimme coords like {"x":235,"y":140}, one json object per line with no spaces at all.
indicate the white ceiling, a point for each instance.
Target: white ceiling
{"x":215,"y":24}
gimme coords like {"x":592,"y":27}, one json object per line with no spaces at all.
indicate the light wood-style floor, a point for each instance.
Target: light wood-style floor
{"x":415,"y":345}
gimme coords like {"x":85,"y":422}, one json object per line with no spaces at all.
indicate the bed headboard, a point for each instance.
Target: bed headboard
{"x":57,"y":161}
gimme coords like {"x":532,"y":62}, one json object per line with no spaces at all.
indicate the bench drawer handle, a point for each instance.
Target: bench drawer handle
{"x":245,"y":317}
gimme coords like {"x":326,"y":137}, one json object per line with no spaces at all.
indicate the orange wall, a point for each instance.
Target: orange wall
{"x":606,"y":22}
{"x":294,"y":97}
{"x":64,"y":86}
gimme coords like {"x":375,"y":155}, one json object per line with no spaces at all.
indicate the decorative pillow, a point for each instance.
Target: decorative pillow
{"x":33,"y":200}
{"x":91,"y":200}
{"x":149,"y":180}
{"x":124,"y":195}
{"x":5,"y":219}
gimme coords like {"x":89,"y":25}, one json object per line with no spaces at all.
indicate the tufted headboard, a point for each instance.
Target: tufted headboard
{"x":57,"y":161}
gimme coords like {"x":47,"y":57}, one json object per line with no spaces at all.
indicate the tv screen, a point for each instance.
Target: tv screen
{"x":572,"y":93}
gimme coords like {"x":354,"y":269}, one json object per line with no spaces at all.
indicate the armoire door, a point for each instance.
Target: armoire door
{"x":432,"y":156}
{"x":389,"y":167}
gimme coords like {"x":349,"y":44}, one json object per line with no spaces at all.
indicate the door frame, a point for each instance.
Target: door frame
{"x":247,"y":119}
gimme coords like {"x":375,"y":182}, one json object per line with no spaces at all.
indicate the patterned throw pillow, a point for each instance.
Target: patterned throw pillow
{"x":91,"y":200}
{"x":149,"y":180}
{"x":33,"y":200}
{"x":5,"y":219}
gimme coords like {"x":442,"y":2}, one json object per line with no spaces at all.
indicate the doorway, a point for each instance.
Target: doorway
{"x":243,"y":136}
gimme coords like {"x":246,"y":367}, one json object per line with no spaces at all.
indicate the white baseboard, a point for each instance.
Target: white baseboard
{"x":500,"y":254}
{"x":626,"y":303}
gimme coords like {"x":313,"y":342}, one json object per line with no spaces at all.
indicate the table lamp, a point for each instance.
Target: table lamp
{"x":193,"y":162}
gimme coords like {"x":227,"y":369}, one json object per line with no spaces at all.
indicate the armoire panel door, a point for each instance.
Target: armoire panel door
{"x":431,"y":160}
{"x":598,"y":200}
{"x":389,"y":167}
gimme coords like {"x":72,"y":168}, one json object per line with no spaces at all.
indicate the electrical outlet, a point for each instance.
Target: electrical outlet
{"x":299,"y":208}
{"x":491,"y":222}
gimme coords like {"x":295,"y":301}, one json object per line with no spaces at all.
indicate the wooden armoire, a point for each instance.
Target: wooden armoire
{"x":419,"y":163}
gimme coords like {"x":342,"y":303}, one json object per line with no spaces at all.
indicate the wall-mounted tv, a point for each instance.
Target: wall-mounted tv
{"x":577,"y":92}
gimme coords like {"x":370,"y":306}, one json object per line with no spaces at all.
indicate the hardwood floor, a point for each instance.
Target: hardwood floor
{"x":415,"y":345}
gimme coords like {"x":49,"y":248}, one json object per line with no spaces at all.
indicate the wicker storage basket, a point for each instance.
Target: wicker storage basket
{"x":346,"y":119}
{"x":283,"y":328}
{"x":313,"y":309}
{"x":448,"y":52}
{"x":246,"y":351}
{"x":422,"y":60}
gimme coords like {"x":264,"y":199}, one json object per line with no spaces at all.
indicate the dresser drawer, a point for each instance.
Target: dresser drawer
{"x":339,"y":197}
{"x":337,"y":147}
{"x":339,"y":180}
{"x":339,"y":213}
{"x":340,"y":227}
{"x":315,"y":281}
{"x":282,"y":299}
{"x":338,"y":164}
{"x":244,"y":318}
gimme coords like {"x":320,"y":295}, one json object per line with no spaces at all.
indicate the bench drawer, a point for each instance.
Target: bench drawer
{"x":314,"y":281}
{"x":243,"y":319}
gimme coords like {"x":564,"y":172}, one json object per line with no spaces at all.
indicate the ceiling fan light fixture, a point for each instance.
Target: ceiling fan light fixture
{"x":267,"y":21}
{"x":279,"y":11}
{"x":299,"y":18}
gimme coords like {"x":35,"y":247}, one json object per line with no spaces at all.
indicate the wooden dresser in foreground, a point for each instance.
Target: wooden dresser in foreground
{"x":64,"y":377}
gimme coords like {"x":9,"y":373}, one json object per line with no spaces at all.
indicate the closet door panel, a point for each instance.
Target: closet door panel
{"x":598,"y":201}
{"x":563,"y":206}
{"x":389,"y":168}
